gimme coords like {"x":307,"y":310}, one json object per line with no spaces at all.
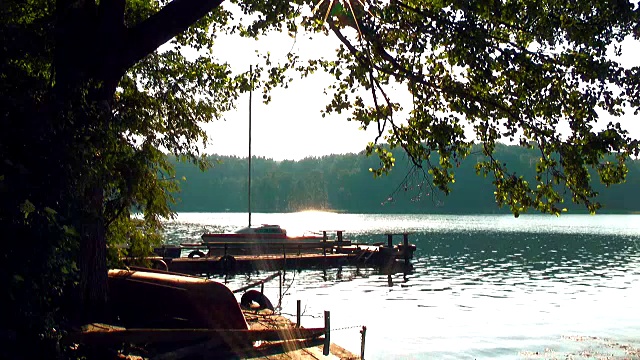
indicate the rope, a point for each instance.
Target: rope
{"x":304,"y":315}
{"x":348,"y":327}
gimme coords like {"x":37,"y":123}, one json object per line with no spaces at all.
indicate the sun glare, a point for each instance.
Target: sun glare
{"x":310,"y":221}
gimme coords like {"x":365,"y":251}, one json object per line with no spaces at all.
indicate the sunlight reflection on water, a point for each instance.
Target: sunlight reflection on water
{"x":483,"y":286}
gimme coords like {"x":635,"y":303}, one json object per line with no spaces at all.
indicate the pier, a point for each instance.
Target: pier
{"x":242,"y":257}
{"x":211,"y":323}
{"x":277,"y":336}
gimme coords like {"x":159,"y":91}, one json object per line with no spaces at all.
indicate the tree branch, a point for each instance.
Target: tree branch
{"x":110,"y":31}
{"x":173,"y":19}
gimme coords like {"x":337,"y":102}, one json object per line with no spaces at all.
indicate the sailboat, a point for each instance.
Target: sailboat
{"x":265,"y":233}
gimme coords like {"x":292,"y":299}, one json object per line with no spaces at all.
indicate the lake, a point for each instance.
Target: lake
{"x":482,"y":286}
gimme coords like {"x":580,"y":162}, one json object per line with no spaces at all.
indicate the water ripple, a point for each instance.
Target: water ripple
{"x":481,"y":286}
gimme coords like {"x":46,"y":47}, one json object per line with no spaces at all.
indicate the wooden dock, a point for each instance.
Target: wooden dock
{"x":241,"y":257}
{"x":265,"y":319}
{"x":249,"y":263}
{"x":284,"y":341}
{"x":209,"y":259}
{"x":261,"y":333}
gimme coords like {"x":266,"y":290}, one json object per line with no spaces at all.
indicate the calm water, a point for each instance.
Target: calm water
{"x":483,"y":286}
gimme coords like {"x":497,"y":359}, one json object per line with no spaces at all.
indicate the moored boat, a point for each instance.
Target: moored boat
{"x":271,"y":234}
{"x":174,"y":316}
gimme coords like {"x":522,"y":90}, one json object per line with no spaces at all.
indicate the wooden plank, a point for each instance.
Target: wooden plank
{"x":276,"y":244}
{"x":260,"y":282}
{"x":265,"y":320}
{"x":157,"y":271}
{"x":142,"y":336}
{"x":262,"y":257}
{"x":190,"y":351}
{"x":284,"y":347}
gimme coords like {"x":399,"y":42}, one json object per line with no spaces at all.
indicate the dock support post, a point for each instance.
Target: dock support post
{"x":364,"y":335}
{"x":405,"y":248}
{"x":280,"y":286}
{"x":324,"y":242}
{"x":327,"y":333}
{"x":390,"y":240}
{"x":284,"y":258}
{"x":299,"y":305}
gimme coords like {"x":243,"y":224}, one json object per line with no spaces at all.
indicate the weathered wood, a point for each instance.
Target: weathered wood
{"x":157,"y":271}
{"x":274,"y":245}
{"x":113,"y":336}
{"x":327,"y":333}
{"x":363,"y":332}
{"x":189,"y":351}
{"x":306,"y":349}
{"x":405,"y":248}
{"x":297,"y":255}
{"x":260,"y":282}
{"x":157,"y":300}
{"x":283,"y":347}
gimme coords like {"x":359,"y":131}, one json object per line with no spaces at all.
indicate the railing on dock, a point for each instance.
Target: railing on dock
{"x":405,"y":250}
{"x":225,"y":257}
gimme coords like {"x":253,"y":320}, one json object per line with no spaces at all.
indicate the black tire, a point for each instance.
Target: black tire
{"x":252,"y":296}
{"x":196,"y":253}
{"x":228,"y":263}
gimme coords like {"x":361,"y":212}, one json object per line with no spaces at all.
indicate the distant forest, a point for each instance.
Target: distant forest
{"x":344,"y":183}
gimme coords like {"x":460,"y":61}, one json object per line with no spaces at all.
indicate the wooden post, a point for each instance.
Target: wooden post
{"x":280,"y":298}
{"x":405,"y":248}
{"x":327,"y":333}
{"x":390,"y":240}
{"x":324,"y":242}
{"x":299,"y":305}
{"x":364,"y":334}
{"x":262,"y":288}
{"x":284,"y":258}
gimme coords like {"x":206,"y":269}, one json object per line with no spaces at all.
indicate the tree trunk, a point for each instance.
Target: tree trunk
{"x":93,"y":258}
{"x":93,"y":51}
{"x":79,"y":96}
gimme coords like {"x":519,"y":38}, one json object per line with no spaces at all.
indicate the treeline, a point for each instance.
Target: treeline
{"x":344,"y":183}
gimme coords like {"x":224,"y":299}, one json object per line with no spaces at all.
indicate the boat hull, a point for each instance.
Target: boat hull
{"x":141,"y":299}
{"x":259,"y":238}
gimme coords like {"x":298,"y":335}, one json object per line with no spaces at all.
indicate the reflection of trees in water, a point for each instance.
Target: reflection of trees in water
{"x":537,"y":255}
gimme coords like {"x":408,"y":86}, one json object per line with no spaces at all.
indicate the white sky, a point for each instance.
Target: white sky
{"x":291,"y":126}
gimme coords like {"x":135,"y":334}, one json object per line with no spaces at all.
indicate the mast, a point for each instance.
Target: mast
{"x":250,"y":93}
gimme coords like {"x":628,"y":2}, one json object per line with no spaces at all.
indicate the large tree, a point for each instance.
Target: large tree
{"x":520,"y":71}
{"x":89,"y":101}
{"x":87,"y":106}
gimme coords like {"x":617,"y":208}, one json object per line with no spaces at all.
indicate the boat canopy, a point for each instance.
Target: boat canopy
{"x":263,"y":229}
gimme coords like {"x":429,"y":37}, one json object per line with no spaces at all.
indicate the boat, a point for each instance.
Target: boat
{"x":257,"y":238}
{"x":174,"y":316}
{"x":141,"y":298}
{"x":264,"y":233}
{"x":264,"y":240}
